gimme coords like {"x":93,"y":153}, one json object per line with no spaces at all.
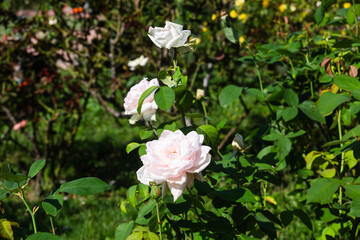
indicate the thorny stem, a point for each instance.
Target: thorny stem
{"x":32,"y":214}
{"x":52,"y":226}
{"x":158,"y":218}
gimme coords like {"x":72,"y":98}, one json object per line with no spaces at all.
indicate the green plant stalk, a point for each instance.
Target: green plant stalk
{"x":238,"y":170}
{"x":22,"y":197}
{"x":356,"y":21}
{"x":257,"y":67}
{"x":205,"y":112}
{"x":342,"y":157}
{"x":158,"y":218}
{"x":264,"y":193}
{"x":52,"y":226}
{"x":194,"y":77}
{"x":292,"y":69}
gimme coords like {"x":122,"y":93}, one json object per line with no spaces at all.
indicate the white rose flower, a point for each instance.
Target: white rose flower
{"x":149,"y":106}
{"x":171,"y":36}
{"x":138,"y":61}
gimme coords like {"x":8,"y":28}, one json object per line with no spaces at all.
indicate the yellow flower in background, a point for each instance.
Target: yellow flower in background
{"x":213,"y":17}
{"x":194,"y":40}
{"x":343,"y":32}
{"x":347,"y":5}
{"x":282,"y":7}
{"x":243,"y":17}
{"x":239,"y":3}
{"x":233,"y":14}
{"x":265,"y":3}
{"x":241,"y":40}
{"x":204,"y":29}
{"x":205,"y":23}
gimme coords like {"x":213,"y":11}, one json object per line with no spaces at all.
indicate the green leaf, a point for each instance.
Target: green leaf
{"x":186,"y":101}
{"x":43,"y":236}
{"x":4,"y":193}
{"x":289,"y":113}
{"x":344,"y":43}
{"x":307,"y":107}
{"x":181,"y":205}
{"x":229,"y":94}
{"x":355,"y":132}
{"x":355,"y":208}
{"x":152,"y":236}
{"x":143,"y":190}
{"x":319,"y":14}
{"x":242,"y":195}
{"x":329,"y":101}
{"x":356,"y":94}
{"x":165,"y":77}
{"x":347,"y":82}
{"x":9,"y":185}
{"x":36,"y":167}
{"x":244,"y":237}
{"x":232,"y":34}
{"x":145,"y":94}
{"x":322,"y":190}
{"x":144,"y":213}
{"x":291,"y":98}
{"x":136,"y":236}
{"x":218,"y":224}
{"x":352,"y":191}
{"x":5,"y":229}
{"x":352,"y":13}
{"x":84,"y":186}
{"x":328,"y":173}
{"x":131,"y":195}
{"x":266,"y":225}
{"x":296,"y":134}
{"x":124,"y":230}
{"x":303,"y":217}
{"x":8,"y":174}
{"x":53,"y":204}
{"x":177,"y":74}
{"x":332,"y":143}
{"x":165,"y":98}
{"x":211,"y":134}
{"x":132,"y":146}
{"x":142,"y":150}
{"x":286,"y":217}
{"x":144,"y":134}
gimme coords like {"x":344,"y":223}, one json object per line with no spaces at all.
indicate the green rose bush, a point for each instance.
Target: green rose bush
{"x":248,"y":123}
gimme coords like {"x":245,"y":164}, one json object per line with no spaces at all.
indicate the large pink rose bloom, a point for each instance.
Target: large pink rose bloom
{"x":174,"y":160}
{"x":149,"y":106}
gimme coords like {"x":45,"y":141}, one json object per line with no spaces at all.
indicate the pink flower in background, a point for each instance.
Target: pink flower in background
{"x":19,"y":125}
{"x":149,"y":106}
{"x":172,"y":35}
{"x":174,"y":160}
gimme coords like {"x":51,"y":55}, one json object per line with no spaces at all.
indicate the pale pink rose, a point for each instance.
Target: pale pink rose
{"x":19,"y":125}
{"x":149,"y":106}
{"x":172,"y":35}
{"x":174,"y":160}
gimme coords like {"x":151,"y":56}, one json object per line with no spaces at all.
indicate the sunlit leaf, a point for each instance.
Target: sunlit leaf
{"x":84,"y":186}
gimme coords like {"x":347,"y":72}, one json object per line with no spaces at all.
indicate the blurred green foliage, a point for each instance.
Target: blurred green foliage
{"x":63,"y":69}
